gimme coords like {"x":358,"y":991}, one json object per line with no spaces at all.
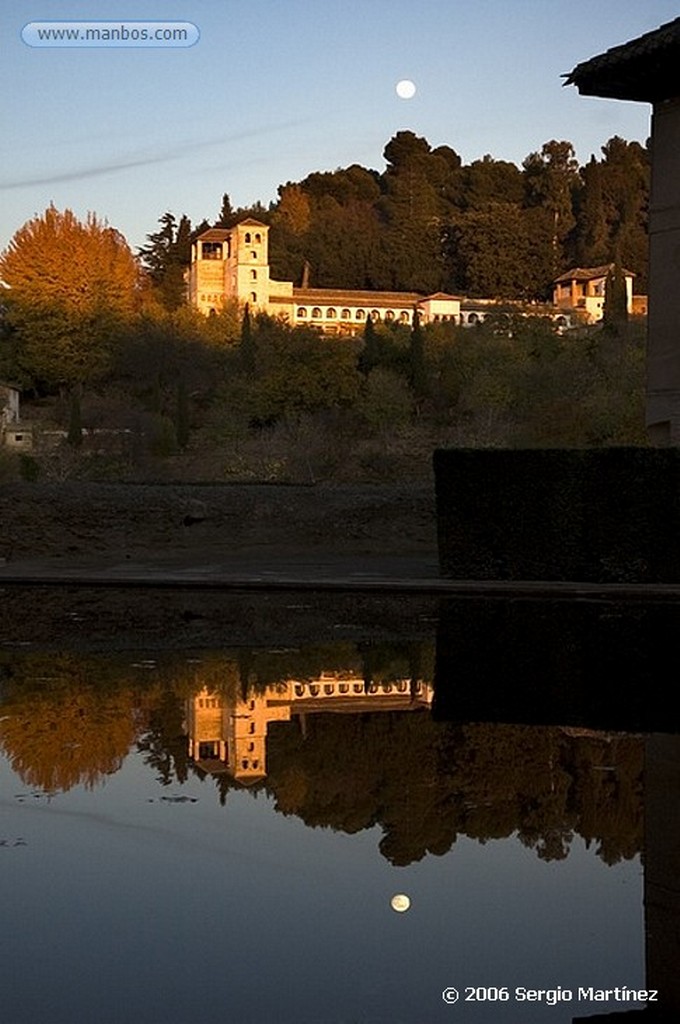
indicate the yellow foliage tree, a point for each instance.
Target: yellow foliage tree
{"x":71,"y":283}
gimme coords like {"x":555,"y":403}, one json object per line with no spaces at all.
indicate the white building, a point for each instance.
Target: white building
{"x":233,"y":264}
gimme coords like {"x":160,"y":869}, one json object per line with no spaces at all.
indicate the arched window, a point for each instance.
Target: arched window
{"x":404,"y":317}
{"x":346,"y":315}
{"x":302,"y":313}
{"x":253,"y":296}
{"x":331,"y":314}
{"x":316,"y":313}
{"x":253,"y":255}
{"x":253,"y":275}
{"x":360,"y":314}
{"x":375,"y":314}
{"x":211,"y":250}
{"x":299,"y":690}
{"x":247,"y":237}
{"x":258,"y":238}
{"x":344,"y":687}
{"x":314,"y":689}
{"x":389,"y":315}
{"x":328,"y":689}
{"x":473,"y":318}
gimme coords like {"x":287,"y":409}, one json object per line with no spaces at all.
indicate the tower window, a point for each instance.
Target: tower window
{"x":253,"y":254}
{"x":211,"y":250}
{"x":247,"y":237}
{"x":253,"y":275}
{"x":253,"y":297}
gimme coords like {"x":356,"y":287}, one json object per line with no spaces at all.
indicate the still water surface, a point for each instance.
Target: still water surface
{"x":218,"y":835}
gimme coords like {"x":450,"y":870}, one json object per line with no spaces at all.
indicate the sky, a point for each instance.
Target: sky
{"x":275,"y":89}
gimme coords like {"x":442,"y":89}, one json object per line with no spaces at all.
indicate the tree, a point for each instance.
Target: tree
{"x":369,"y":356}
{"x":414,"y":208}
{"x":71,"y":283}
{"x":247,"y":343}
{"x":551,"y":180}
{"x":491,"y":181}
{"x":166,"y":257}
{"x":416,"y":359}
{"x":615,"y":309}
{"x":226,"y":217}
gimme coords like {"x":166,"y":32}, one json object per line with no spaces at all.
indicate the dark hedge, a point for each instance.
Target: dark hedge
{"x":607,"y":515}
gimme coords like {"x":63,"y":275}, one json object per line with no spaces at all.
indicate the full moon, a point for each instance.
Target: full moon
{"x":400,"y":903}
{"x":406,"y":89}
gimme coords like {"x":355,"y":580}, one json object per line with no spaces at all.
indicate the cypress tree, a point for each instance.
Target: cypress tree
{"x":369,"y":357}
{"x":247,"y":345}
{"x":416,"y":358}
{"x":615,"y":309}
{"x":75,"y":423}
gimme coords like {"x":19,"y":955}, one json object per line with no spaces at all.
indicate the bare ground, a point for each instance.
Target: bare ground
{"x":61,"y":526}
{"x":76,"y":521}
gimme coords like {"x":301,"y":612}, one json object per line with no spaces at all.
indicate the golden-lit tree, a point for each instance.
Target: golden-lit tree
{"x":78,"y":736}
{"x":71,"y":283}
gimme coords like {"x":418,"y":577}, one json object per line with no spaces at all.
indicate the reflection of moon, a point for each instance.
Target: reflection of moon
{"x":400,"y":903}
{"x":405,"y":89}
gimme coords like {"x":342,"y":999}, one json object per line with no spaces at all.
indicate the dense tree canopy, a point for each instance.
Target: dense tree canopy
{"x":490,"y":228}
{"x":70,"y":282}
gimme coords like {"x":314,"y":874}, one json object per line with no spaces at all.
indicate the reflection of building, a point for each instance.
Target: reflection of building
{"x":231,"y":736}
{"x":583,"y":288}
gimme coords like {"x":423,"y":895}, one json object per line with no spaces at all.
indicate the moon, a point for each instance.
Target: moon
{"x":400,"y":902}
{"x":406,"y":89}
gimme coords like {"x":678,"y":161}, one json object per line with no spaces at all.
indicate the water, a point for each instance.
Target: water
{"x":220,"y":833}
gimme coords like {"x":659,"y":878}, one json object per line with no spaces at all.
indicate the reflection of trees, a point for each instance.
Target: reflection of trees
{"x":65,"y":725}
{"x":425,"y":783}
{"x":66,"y":720}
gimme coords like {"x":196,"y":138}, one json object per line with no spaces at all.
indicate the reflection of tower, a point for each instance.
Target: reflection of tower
{"x":248,"y":738}
{"x":207,"y":720}
{"x":231,"y":736}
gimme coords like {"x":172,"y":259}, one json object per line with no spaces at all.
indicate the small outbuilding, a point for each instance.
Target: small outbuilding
{"x":583,"y":289}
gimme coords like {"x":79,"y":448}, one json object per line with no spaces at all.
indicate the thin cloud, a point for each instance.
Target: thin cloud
{"x":114,"y":167}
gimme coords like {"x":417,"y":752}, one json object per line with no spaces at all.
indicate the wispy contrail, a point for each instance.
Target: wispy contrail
{"x":112,"y":167}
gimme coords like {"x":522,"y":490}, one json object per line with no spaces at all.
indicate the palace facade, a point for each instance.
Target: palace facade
{"x":233,"y":265}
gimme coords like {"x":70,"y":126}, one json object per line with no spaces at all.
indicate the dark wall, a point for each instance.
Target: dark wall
{"x":593,"y":515}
